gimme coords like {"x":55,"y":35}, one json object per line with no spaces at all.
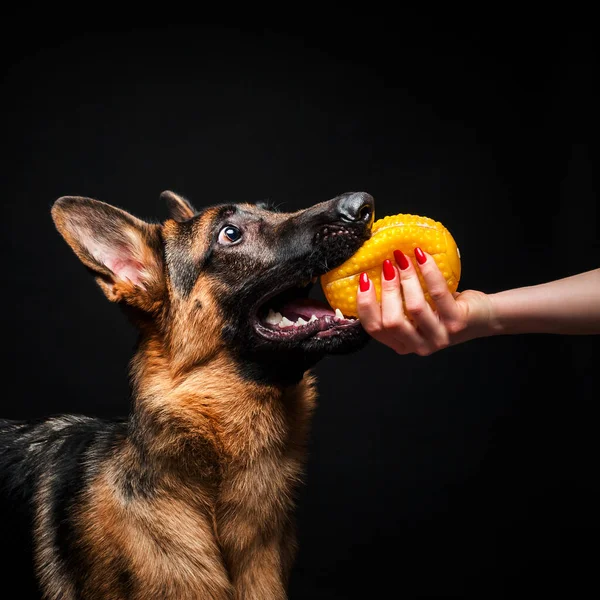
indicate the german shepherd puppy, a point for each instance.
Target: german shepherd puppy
{"x":192,"y":496}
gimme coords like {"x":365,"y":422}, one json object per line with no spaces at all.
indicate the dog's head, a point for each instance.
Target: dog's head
{"x":232,"y":278}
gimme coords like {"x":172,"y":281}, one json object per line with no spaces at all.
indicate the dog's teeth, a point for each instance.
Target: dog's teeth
{"x":338,"y":314}
{"x":285,"y":322}
{"x":300,"y":322}
{"x":313,"y":318}
{"x":273,"y":318}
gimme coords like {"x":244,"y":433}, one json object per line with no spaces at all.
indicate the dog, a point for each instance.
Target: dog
{"x":192,"y":496}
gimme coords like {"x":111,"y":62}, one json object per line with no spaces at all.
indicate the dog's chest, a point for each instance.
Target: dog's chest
{"x":254,"y":508}
{"x":256,"y":493}
{"x":260,"y":480}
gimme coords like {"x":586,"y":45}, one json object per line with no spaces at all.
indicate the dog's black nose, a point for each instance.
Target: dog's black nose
{"x":357,"y":206}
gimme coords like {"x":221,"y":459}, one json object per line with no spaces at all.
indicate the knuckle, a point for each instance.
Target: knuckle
{"x":409,"y":274}
{"x":454,"y":327}
{"x":442,"y":343}
{"x":437,"y":292}
{"x":415,"y":307}
{"x":391,"y":322}
{"x":390,"y":286}
{"x":373,"y":328}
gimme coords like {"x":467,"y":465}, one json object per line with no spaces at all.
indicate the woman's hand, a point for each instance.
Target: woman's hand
{"x":419,"y":329}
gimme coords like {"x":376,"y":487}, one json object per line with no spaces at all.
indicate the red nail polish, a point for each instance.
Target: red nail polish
{"x":401,"y":259}
{"x":388,"y":270}
{"x":421,"y":258}
{"x":364,"y":282}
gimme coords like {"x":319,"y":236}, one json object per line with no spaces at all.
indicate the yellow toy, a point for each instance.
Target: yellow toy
{"x":397,"y":232}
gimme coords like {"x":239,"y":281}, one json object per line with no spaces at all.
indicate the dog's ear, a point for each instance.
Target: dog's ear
{"x":123,"y":252}
{"x":179,"y":208}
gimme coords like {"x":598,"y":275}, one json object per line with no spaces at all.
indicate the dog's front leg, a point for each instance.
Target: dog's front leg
{"x":257,"y":572}
{"x":254,"y":555}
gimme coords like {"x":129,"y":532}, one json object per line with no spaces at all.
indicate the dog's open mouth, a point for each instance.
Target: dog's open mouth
{"x":291,"y":314}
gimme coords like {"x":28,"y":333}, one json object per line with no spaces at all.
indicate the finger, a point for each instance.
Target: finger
{"x":416,"y":306}
{"x":369,"y":311}
{"x":437,"y":287}
{"x":394,"y":321}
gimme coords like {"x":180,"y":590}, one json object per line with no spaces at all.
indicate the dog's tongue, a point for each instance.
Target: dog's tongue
{"x":305,"y":308}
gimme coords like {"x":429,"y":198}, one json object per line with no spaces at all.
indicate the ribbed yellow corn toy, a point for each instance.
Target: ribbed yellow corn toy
{"x":397,"y":232}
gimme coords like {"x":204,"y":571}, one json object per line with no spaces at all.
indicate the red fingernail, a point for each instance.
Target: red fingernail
{"x":388,"y":270}
{"x":364,"y":282}
{"x":401,"y":259}
{"x":421,"y":258}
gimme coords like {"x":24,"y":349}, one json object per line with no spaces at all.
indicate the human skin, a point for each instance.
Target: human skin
{"x":568,"y":306}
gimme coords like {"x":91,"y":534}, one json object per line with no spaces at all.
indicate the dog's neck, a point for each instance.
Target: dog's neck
{"x":212,"y":410}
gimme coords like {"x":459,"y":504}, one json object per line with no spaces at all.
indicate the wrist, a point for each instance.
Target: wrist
{"x":517,"y":311}
{"x":495,"y":323}
{"x":480,"y":318}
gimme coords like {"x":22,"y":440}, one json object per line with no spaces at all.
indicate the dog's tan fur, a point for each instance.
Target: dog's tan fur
{"x":225,"y":533}
{"x":227,"y":455}
{"x":191,"y":498}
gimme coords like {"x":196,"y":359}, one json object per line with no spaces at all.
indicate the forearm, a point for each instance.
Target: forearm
{"x":565,"y":306}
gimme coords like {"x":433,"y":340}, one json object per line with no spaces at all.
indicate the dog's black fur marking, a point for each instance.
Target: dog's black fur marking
{"x":72,"y":449}
{"x":268,"y":205}
{"x":51,"y":463}
{"x":183,"y":271}
{"x":68,"y":484}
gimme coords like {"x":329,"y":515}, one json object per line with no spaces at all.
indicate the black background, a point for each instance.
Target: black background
{"x":469,"y":473}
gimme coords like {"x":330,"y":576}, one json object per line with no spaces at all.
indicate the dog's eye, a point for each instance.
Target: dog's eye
{"x":229,"y":235}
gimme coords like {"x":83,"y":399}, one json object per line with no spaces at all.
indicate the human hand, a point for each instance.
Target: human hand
{"x":419,"y":329}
